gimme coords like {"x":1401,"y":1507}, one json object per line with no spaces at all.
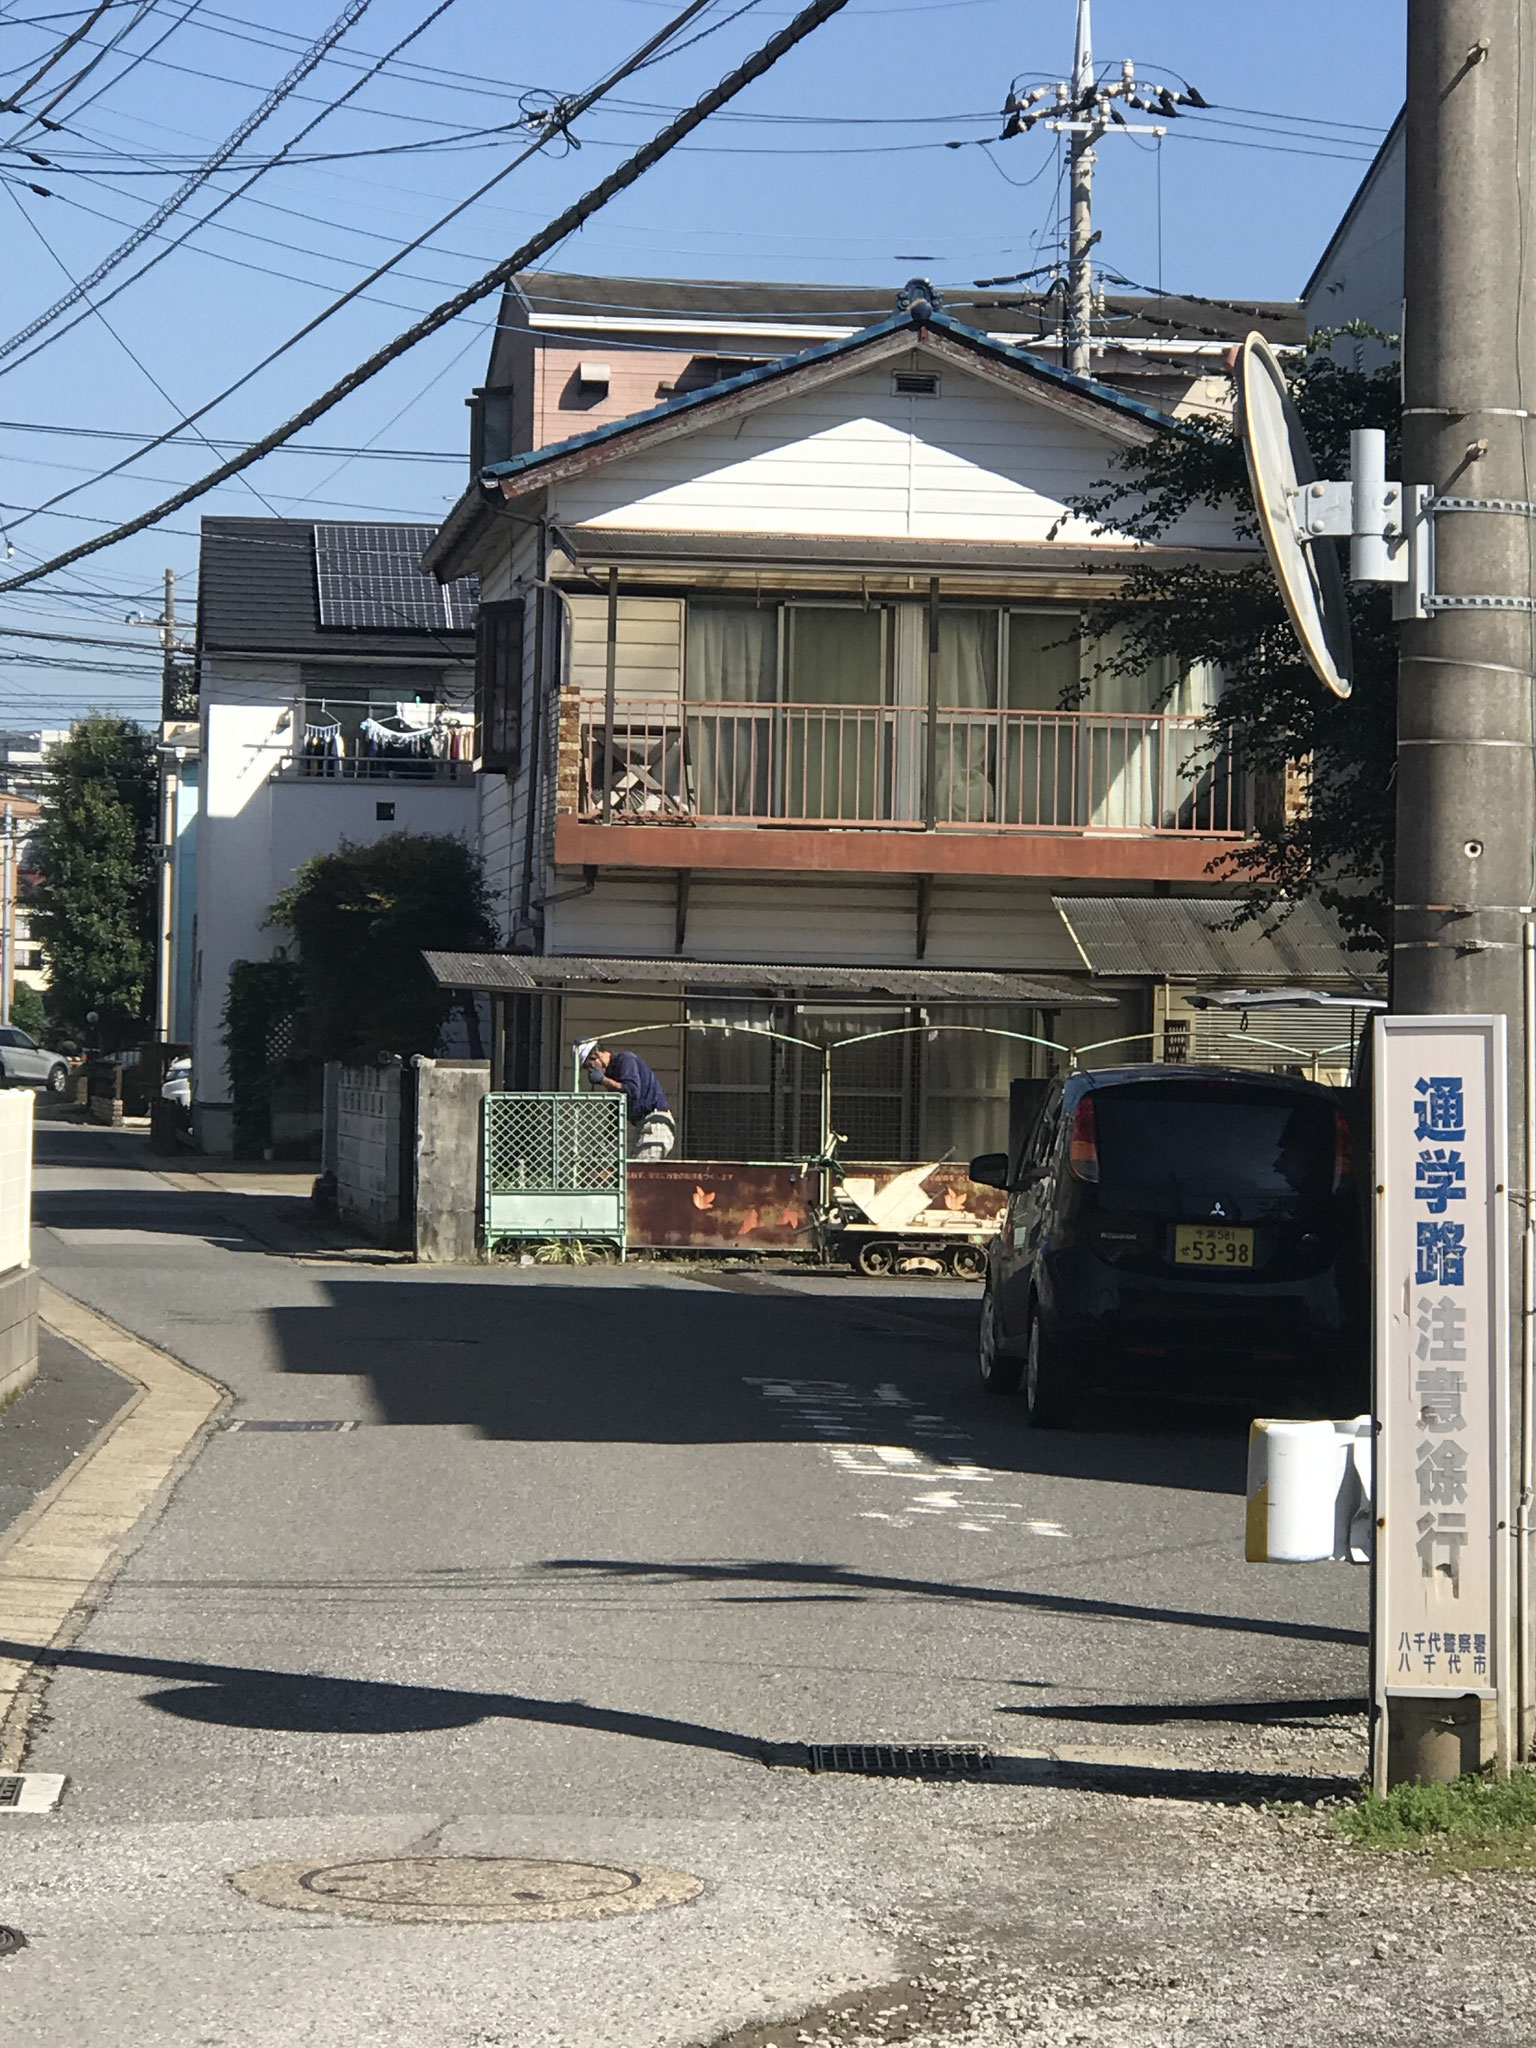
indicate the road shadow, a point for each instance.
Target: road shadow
{"x":606,"y":1360}
{"x":1242,"y":1713}
{"x":307,"y":1703}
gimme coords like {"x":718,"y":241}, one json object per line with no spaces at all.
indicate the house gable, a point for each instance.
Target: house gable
{"x":990,"y":456}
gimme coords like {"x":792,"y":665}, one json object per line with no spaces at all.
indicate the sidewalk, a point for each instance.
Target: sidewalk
{"x":73,"y":1398}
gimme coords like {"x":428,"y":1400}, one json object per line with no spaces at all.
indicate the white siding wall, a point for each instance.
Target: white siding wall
{"x":832,"y":922}
{"x":855,"y":459}
{"x":1361,"y":275}
{"x":650,"y":645}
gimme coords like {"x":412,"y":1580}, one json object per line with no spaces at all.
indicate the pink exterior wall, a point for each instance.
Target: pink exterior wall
{"x":562,"y":409}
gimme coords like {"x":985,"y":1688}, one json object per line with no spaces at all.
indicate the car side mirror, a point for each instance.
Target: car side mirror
{"x":990,"y":1169}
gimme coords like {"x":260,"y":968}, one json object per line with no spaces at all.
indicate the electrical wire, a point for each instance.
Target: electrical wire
{"x":353,"y":11}
{"x":10,"y":104}
{"x":229,"y":198}
{"x":550,"y":237}
{"x":571,"y":112}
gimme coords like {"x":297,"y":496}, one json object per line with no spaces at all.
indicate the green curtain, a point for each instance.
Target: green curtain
{"x":835,"y":753}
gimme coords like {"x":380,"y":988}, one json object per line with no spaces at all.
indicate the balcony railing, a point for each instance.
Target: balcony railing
{"x":363,"y":740}
{"x":868,"y":765}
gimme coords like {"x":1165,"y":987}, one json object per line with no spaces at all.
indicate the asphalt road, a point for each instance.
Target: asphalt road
{"x":592,"y":1544}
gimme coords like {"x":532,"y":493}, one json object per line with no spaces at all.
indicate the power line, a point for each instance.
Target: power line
{"x":565,"y":224}
{"x":353,"y":10}
{"x":10,"y":104}
{"x":565,"y":115}
{"x":229,"y":198}
{"x":222,"y":446}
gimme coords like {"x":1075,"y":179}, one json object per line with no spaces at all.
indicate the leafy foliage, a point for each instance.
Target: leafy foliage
{"x":29,"y":1013}
{"x":94,"y":908}
{"x":258,"y":1025}
{"x":1334,"y":837}
{"x":362,"y":917}
{"x":1411,"y":1815}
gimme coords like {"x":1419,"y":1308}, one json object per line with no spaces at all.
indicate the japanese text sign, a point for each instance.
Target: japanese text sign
{"x":1441,"y":1354}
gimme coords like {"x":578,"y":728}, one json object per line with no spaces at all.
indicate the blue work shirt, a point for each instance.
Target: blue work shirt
{"x":642,"y":1090}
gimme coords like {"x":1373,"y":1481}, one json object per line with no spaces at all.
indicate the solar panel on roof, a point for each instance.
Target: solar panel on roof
{"x":369,"y":576}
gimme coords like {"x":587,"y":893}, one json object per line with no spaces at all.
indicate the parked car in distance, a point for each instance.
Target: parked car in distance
{"x":177,"y":1085}
{"x":1186,"y":1231}
{"x":24,"y":1063}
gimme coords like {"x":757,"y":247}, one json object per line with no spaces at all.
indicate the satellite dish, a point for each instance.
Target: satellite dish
{"x":1279,"y":465}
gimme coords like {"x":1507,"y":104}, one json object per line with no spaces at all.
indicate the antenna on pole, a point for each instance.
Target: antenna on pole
{"x":1087,"y":111}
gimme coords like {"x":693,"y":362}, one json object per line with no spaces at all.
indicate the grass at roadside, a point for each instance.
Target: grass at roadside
{"x":1477,"y":1823}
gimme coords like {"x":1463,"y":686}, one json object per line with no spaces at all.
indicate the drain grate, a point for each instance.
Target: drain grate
{"x":10,"y":1789}
{"x":11,"y":1939}
{"x":899,"y":1759}
{"x":244,"y":1428}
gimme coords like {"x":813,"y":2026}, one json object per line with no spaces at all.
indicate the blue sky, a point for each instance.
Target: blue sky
{"x":832,"y":169}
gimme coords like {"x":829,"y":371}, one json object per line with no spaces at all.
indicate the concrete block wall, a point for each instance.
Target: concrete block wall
{"x":368,"y":1149}
{"x":449,"y":1094}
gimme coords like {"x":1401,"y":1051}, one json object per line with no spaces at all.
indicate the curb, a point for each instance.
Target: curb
{"x":71,"y":1538}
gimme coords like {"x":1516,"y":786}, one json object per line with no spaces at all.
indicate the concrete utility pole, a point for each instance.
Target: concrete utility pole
{"x":1087,"y":111}
{"x":1080,"y":235}
{"x":170,"y":779}
{"x":1465,"y":842}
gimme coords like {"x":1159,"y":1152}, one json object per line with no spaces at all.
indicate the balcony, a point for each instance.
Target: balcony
{"x":371,"y":740}
{"x":889,"y":767}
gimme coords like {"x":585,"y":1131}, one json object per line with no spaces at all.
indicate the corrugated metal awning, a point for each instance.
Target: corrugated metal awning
{"x":522,"y":973}
{"x":1192,"y":938}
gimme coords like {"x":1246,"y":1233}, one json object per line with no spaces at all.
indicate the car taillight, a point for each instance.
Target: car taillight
{"x":1083,"y":1151}
{"x":1343,"y":1149}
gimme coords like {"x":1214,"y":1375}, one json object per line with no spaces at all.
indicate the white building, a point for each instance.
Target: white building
{"x":335,"y":682}
{"x":1360,"y":274}
{"x":789,"y":721}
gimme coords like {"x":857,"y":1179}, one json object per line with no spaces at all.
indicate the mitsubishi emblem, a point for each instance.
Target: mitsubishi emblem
{"x":1217,"y":1209}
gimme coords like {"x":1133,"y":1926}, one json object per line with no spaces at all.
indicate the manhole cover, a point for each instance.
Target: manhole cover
{"x":465,"y":1888}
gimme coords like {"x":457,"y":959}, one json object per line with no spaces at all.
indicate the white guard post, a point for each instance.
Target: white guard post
{"x":1309,"y":1492}
{"x":1443,"y":1554}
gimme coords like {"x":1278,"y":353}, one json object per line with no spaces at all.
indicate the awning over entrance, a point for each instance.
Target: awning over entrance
{"x":503,"y":974}
{"x":1185,"y":938}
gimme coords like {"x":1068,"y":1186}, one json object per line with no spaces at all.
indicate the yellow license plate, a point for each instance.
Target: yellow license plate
{"x":1212,"y":1244}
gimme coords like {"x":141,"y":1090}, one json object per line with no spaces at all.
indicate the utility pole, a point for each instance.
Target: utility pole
{"x":1465,"y":809}
{"x":7,"y":912}
{"x":170,"y":782}
{"x":1087,"y":112}
{"x":1080,"y":234}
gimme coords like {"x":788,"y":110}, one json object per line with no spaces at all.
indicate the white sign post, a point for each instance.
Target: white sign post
{"x":1442,"y":1572}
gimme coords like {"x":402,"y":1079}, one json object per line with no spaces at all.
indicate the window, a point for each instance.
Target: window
{"x":499,"y":685}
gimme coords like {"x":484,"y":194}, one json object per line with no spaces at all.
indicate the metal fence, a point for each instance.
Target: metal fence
{"x":554,"y":1167}
{"x":873,"y":764}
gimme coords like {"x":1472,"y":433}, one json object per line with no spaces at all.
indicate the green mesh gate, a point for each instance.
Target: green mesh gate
{"x":554,"y":1167}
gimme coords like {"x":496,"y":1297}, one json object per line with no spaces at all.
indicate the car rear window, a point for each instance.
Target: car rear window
{"x":1183,"y":1137}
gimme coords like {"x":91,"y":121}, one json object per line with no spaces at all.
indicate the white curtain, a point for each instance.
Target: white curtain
{"x":966,"y":752}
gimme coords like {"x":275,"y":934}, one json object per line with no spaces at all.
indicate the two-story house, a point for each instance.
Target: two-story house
{"x":336,"y":692}
{"x":788,"y":721}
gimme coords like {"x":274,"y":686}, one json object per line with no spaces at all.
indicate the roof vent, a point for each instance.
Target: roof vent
{"x":593,"y":376}
{"x":916,"y":383}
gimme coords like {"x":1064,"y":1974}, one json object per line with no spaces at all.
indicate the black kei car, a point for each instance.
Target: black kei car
{"x":1186,"y":1231}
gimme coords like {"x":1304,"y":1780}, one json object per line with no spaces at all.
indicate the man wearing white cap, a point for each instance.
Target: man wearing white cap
{"x":652,"y":1131}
